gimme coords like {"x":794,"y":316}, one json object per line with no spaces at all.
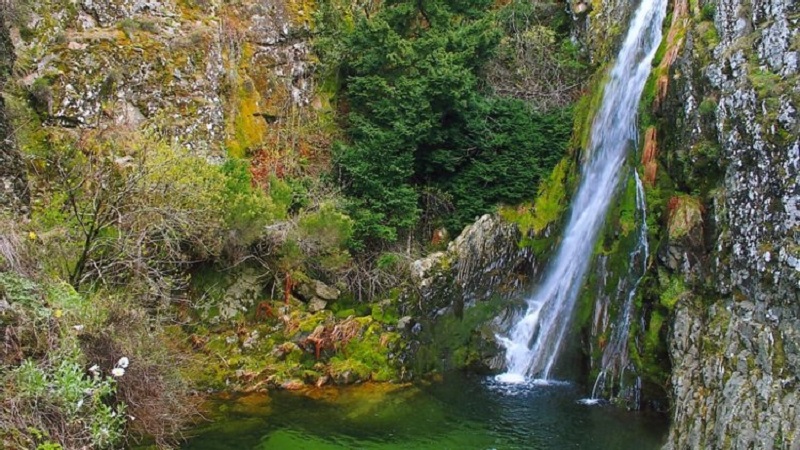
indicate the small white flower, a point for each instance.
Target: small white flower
{"x":95,"y":369}
{"x":118,"y":371}
{"x":123,"y":362}
{"x":80,"y":403}
{"x":78,"y":328}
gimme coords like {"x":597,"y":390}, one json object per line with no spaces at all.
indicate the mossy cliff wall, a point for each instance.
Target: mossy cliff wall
{"x":215,"y":77}
{"x":730,"y":134}
{"x":718,"y":312}
{"x":13,"y":182}
{"x":464,"y":295}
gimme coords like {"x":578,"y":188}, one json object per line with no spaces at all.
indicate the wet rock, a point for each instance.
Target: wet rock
{"x":484,"y":260}
{"x":293,"y":385}
{"x":736,"y":347}
{"x":345,"y":378}
{"x":685,"y":249}
{"x":483,"y":264}
{"x":596,"y":25}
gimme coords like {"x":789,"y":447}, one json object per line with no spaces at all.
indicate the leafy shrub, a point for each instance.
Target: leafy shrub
{"x":537,"y":61}
{"x":150,"y":212}
{"x":41,"y":95}
{"x":418,"y":119}
{"x":708,"y":11}
{"x":63,"y":403}
{"x":153,"y":388}
{"x":317,"y":243}
{"x":512,"y":150}
{"x":708,"y":109}
{"x":56,"y":385}
{"x":247,"y":210}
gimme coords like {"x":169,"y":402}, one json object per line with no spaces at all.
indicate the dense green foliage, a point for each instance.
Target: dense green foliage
{"x":141,"y":245}
{"x":418,"y":117}
{"x":63,"y":382}
{"x":537,"y":60}
{"x":515,"y":150}
{"x":140,"y":212}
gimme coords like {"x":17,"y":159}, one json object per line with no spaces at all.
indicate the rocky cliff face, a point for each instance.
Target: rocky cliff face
{"x":721,"y":167}
{"x":466,"y":294}
{"x":735,"y":338}
{"x":14,"y":195}
{"x":208,"y":75}
{"x":484,"y":260}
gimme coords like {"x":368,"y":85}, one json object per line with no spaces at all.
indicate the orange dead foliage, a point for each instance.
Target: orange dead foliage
{"x":264,"y":310}
{"x":672,"y":205}
{"x":674,"y":44}
{"x":333,"y":337}
{"x":287,"y":288}
{"x":649,"y":156}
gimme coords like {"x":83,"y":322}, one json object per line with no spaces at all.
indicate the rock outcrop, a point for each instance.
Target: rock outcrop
{"x":597,"y":26}
{"x":483,"y":261}
{"x":735,"y":338}
{"x":14,"y":196}
{"x":209,"y":76}
{"x":465,"y":295}
{"x":722,"y":170}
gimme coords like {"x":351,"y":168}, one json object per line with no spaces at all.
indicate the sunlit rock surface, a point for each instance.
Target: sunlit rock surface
{"x":735,"y":345}
{"x":14,"y":196}
{"x":207,"y":75}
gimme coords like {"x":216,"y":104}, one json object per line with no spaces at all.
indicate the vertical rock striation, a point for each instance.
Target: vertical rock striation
{"x":735,"y":339}
{"x":14,"y":195}
{"x":463,"y":296}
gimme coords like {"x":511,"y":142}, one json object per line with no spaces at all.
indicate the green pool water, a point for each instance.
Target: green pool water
{"x":459,"y":412}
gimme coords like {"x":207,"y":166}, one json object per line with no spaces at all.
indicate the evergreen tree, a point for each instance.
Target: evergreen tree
{"x":417,"y":116}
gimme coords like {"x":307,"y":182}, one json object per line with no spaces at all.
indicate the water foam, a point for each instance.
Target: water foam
{"x":533,"y":344}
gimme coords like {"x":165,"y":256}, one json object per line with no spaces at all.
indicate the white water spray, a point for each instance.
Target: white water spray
{"x":533,"y":344}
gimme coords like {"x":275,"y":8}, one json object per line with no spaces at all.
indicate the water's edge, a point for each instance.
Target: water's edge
{"x":457,"y":412}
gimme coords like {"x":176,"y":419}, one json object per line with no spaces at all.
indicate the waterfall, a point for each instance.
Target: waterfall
{"x":533,"y":343}
{"x":615,"y":354}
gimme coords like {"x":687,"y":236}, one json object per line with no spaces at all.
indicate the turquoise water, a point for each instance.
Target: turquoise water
{"x":458,"y":413}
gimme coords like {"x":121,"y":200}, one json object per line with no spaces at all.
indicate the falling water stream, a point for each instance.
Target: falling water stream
{"x":532,"y":346}
{"x":460,"y":411}
{"x":520,"y":409}
{"x":615,"y":360}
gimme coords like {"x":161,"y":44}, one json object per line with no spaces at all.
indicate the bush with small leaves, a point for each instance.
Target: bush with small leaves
{"x":67,"y":404}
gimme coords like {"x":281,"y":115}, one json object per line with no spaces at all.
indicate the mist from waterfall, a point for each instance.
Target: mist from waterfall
{"x":533,"y":344}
